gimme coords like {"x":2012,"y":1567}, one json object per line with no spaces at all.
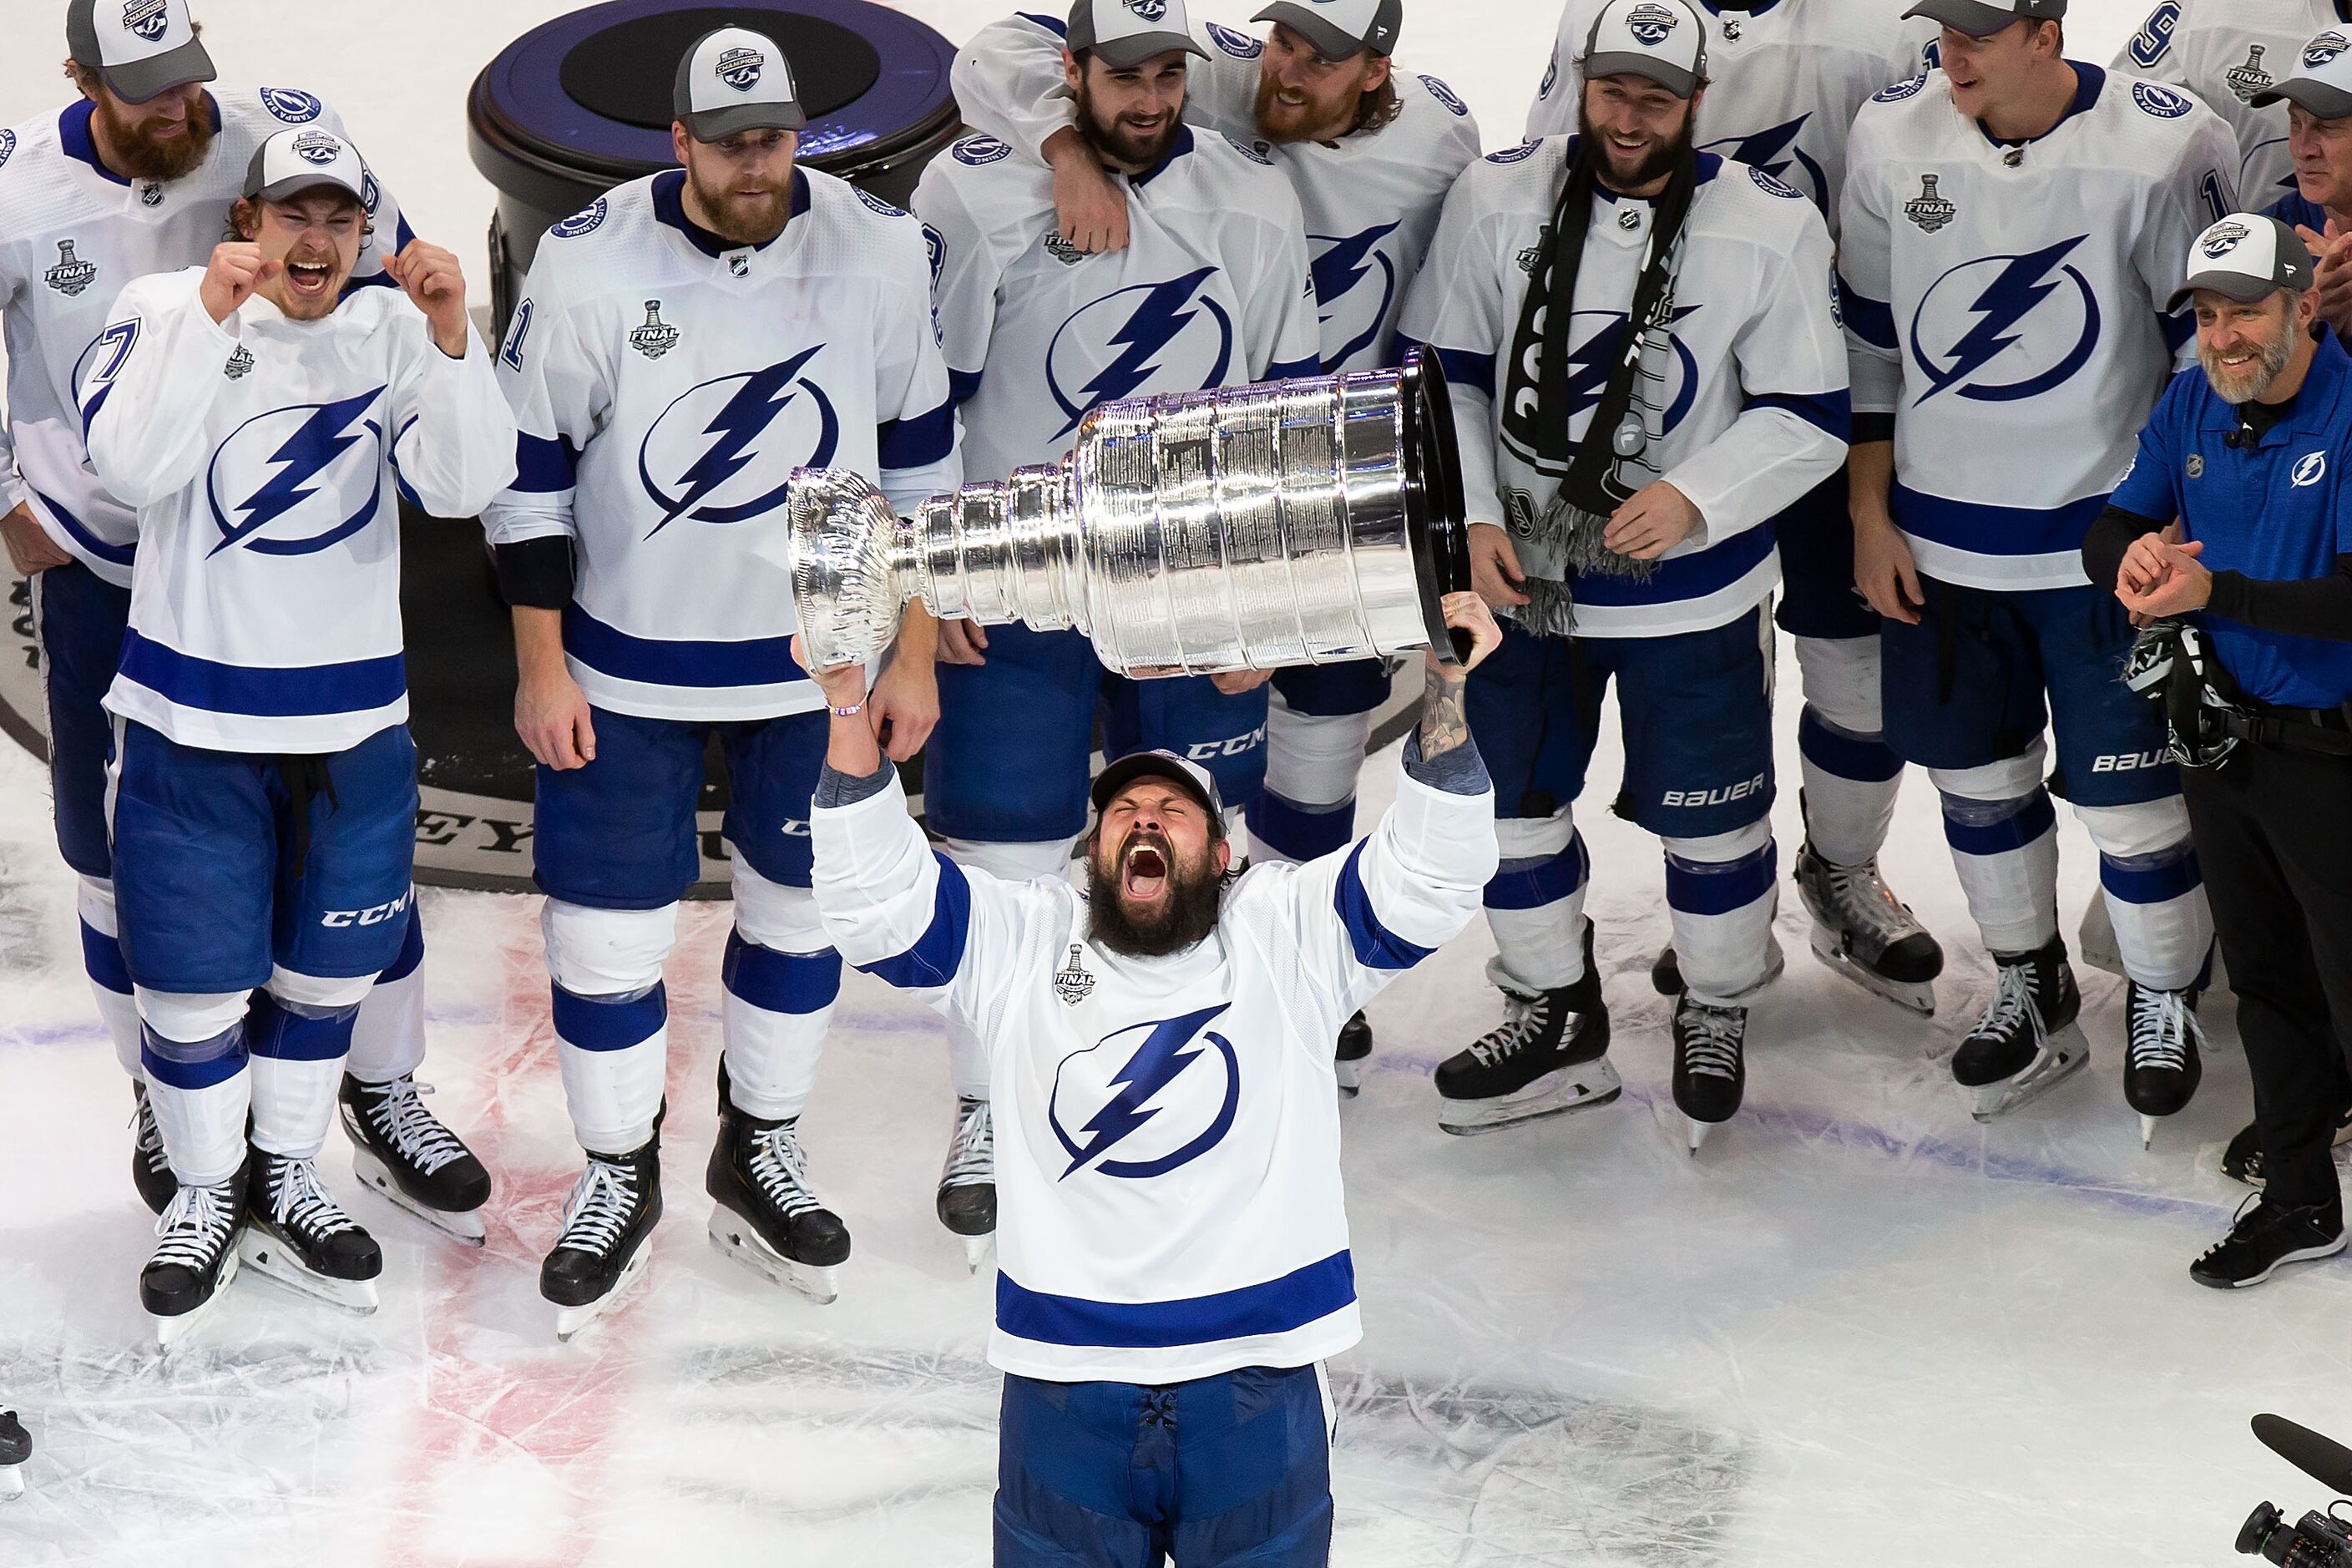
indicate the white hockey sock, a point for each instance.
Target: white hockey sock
{"x":1851,"y":781}
{"x":1535,"y":903}
{"x":1721,"y":895}
{"x":1313,"y":762}
{"x":388,"y":1041}
{"x":778,"y":1005}
{"x":193,"y":1054}
{"x":613,"y":1052}
{"x":2006,"y":854}
{"x":299,"y":1031}
{"x":2154,"y":893}
{"x":109,"y":977}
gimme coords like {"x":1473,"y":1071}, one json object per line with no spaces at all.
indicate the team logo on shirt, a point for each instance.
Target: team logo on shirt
{"x":151,"y":194}
{"x":147,"y":19}
{"x":2003,"y":327}
{"x":1774,"y":151}
{"x":1071,"y":984}
{"x":739,"y":68}
{"x":2250,"y":79}
{"x":656,"y":337}
{"x":1912,"y":88}
{"x":1596,"y":353}
{"x":1651,"y":24}
{"x":585,"y":221}
{"x":1550,"y":77}
{"x":1519,"y":154}
{"x":2324,"y":48}
{"x":724,"y":451}
{"x":2309,"y":469}
{"x":292,"y":107}
{"x":1160,"y":1094}
{"x":2161,"y":101}
{"x":1446,"y":96}
{"x":1930,"y":209}
{"x":1163,"y":337}
{"x":296,"y":480}
{"x":71,"y":275}
{"x":1355,"y":284}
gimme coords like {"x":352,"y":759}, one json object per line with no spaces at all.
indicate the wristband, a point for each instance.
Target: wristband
{"x":852,"y":711}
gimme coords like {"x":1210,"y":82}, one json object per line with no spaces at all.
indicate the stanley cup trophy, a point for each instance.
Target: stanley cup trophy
{"x":1300,"y":521}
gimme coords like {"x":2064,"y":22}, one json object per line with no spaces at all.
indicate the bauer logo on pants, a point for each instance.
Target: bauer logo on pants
{"x":1161,"y":1095}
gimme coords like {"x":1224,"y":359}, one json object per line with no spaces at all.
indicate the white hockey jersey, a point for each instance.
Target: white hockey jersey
{"x":1211,"y":290}
{"x":1785,"y":80}
{"x":2007,"y":305}
{"x":72,"y":235}
{"x":262,"y":455}
{"x":667,"y":384}
{"x":1370,"y":201}
{"x":1167,"y":1129}
{"x":2226,"y":51}
{"x":1756,"y":411}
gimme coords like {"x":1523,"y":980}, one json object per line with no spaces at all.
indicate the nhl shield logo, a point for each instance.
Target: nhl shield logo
{"x":1928,"y":209}
{"x":739,"y":68}
{"x":2250,"y":79}
{"x":316,"y":147}
{"x":739,"y":264}
{"x":150,"y":194}
{"x":2222,"y":239}
{"x":1148,"y":10}
{"x":1071,"y":984}
{"x":71,"y":275}
{"x":657,"y":337}
{"x":2196,"y":466}
{"x":1651,"y":24}
{"x":146,"y":19}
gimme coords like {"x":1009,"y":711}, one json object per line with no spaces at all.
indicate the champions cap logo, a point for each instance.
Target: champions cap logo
{"x":739,"y":68}
{"x":1355,"y":284}
{"x":2324,"y":48}
{"x":1930,"y":209}
{"x":1150,"y":10}
{"x":1651,"y":24}
{"x":1146,"y":337}
{"x":317,"y":147}
{"x":146,"y":19}
{"x":2004,"y":327}
{"x":1161,"y":1095}
{"x":2222,"y":239}
{"x":71,"y":275}
{"x":724,"y":451}
{"x":296,"y":480}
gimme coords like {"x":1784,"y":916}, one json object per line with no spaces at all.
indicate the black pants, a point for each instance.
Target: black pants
{"x":2273,"y":833}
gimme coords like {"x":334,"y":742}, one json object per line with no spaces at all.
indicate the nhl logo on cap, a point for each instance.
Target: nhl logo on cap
{"x":739,"y":68}
{"x":2222,"y":239}
{"x":1150,"y":10}
{"x":1651,"y":24}
{"x":148,"y":19}
{"x":317,"y":147}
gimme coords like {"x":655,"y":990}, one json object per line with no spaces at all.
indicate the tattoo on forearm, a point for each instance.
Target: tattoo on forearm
{"x":1444,"y":722}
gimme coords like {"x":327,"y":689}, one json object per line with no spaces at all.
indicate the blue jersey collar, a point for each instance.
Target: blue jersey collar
{"x":1176,"y":149}
{"x":2090,"y":80}
{"x":669,"y":207}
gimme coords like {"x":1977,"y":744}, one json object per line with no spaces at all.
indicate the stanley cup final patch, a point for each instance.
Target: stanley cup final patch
{"x":1930,"y":209}
{"x":1071,"y":984}
{"x":657,"y":337}
{"x":71,"y":275}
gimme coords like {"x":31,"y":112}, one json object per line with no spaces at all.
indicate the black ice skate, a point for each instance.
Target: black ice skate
{"x":768,"y":1218}
{"x":297,"y":1234}
{"x":967,"y":1201}
{"x":405,"y":1152}
{"x":2026,"y":1042}
{"x":607,"y":1220}
{"x":2243,"y":1159}
{"x":195,"y":1256}
{"x":1710,"y":1065}
{"x":1355,"y":1044}
{"x":1549,"y":1057}
{"x":2165,"y":1058}
{"x":2265,"y":1238}
{"x":1865,"y":934}
{"x":16,"y":1447}
{"x":150,"y":1171}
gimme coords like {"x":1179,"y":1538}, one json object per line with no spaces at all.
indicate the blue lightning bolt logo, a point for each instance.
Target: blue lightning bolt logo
{"x":324,"y":435}
{"x":735,"y":430}
{"x":1156,"y":1063}
{"x":1589,"y":362}
{"x":1339,"y":268}
{"x":2021,"y":285}
{"x":1165,"y":311}
{"x":1773,"y":151}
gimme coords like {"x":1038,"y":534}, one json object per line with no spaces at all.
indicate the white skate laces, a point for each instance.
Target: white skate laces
{"x":2011,"y":1006}
{"x":194,"y":1228}
{"x":781,"y":1170}
{"x":150,"y":1142}
{"x":599,"y":1209}
{"x":2163,"y":1030}
{"x":1711,"y":1040}
{"x":1524,"y":1019}
{"x":299,"y":1200}
{"x":399,"y":1117}
{"x":972,"y":1158}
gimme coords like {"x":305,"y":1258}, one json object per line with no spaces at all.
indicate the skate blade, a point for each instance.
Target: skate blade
{"x":734,"y":1237}
{"x":170,"y":1331}
{"x":11,"y":1482}
{"x":1916,"y":998}
{"x":2063,"y":1055}
{"x":1698,"y":1131}
{"x":376,"y":1176}
{"x":2147,"y":1131}
{"x":979,"y":1251}
{"x":1583,"y":1086}
{"x":274,"y":1260}
{"x":1350,"y":1077}
{"x":570,"y":1320}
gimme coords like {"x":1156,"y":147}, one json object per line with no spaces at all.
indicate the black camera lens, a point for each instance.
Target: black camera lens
{"x":2260,"y":1526}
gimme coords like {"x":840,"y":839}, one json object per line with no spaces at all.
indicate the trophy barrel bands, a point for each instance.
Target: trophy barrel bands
{"x":851,"y":565}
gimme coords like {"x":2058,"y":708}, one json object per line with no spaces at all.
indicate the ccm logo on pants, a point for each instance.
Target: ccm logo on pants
{"x":1723,"y":795}
{"x":337,"y":919}
{"x":1239,"y":746}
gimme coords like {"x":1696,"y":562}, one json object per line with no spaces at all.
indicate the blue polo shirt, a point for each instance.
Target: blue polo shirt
{"x":2280,"y":511}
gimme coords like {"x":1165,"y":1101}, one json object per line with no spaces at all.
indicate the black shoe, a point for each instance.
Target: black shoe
{"x":195,"y":1250}
{"x":408,"y":1154}
{"x":1355,"y":1044}
{"x":2027,"y":1039}
{"x":2266,"y":1238}
{"x":1539,"y":1035}
{"x":758,"y":1173}
{"x":150,"y":1171}
{"x":1710,"y":1063}
{"x":607,"y":1220}
{"x":15,"y":1443}
{"x":2242,"y":1161}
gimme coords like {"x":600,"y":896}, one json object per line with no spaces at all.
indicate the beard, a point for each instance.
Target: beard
{"x":1118,"y":142}
{"x":1184,"y":916}
{"x":143,"y":155}
{"x":740,"y":218}
{"x":1658,"y":162}
{"x":1281,"y":123}
{"x":2243,"y":383}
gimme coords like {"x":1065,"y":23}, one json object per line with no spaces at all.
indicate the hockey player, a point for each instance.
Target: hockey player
{"x":1785,"y":80}
{"x":1370,"y":152}
{"x":137,"y":176}
{"x":2230,"y":53}
{"x":2013,"y":234}
{"x":1644,"y":337}
{"x":263,"y":786}
{"x":1213,"y":290}
{"x":1175,"y":1255}
{"x":680,"y":348}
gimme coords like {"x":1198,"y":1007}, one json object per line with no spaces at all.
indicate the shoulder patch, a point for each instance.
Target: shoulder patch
{"x":2161,"y":101}
{"x":1241,"y":45}
{"x":1551,"y":78}
{"x":1252,"y":154}
{"x":7,"y":144}
{"x":980,"y":151}
{"x":1446,"y":96}
{"x":1519,"y":154}
{"x":1901,"y":91}
{"x":291,"y":106}
{"x":586,"y":221}
{"x":1773,"y":186}
{"x":876,"y":203}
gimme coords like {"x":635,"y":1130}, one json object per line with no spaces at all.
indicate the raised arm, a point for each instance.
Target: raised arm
{"x":155,"y":369}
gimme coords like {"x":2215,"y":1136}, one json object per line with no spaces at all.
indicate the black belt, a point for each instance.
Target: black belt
{"x":2322,"y":731}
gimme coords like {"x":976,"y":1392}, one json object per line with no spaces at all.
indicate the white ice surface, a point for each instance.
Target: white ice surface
{"x":1857,"y":1328}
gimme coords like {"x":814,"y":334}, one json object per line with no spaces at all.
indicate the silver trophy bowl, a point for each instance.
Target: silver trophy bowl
{"x":1305,"y":522}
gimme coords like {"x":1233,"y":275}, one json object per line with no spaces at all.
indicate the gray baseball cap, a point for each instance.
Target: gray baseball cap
{"x":1983,"y":18}
{"x":2321,"y":80}
{"x":1661,"y":39}
{"x":1340,"y":30}
{"x":1125,"y":32}
{"x":2246,"y":257}
{"x":303,"y":159}
{"x":1186,"y":774}
{"x":732,"y":81}
{"x":137,"y":48}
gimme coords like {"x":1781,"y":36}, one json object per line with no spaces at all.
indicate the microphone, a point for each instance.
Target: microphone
{"x":2235,"y":438}
{"x":2323,"y":1459}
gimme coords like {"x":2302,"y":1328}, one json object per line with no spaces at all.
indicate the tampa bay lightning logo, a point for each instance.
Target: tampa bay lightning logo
{"x":1603,"y":343}
{"x":1158,"y":337}
{"x":7,"y":144}
{"x":2324,"y":48}
{"x":1446,"y":96}
{"x":724,"y":451}
{"x":1777,"y":153}
{"x":298,"y":479}
{"x":1150,"y":10}
{"x":292,"y":107}
{"x":1900,"y":90}
{"x":1650,"y":23}
{"x":2223,"y":238}
{"x":1550,"y":77}
{"x":876,"y":205}
{"x":739,"y":68}
{"x":147,"y":19}
{"x":1519,"y":154}
{"x":2161,"y":101}
{"x":1241,"y":45}
{"x":1355,"y":282}
{"x":981,"y":151}
{"x":1161,"y":1095}
{"x":585,"y":221}
{"x":2004,"y":327}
